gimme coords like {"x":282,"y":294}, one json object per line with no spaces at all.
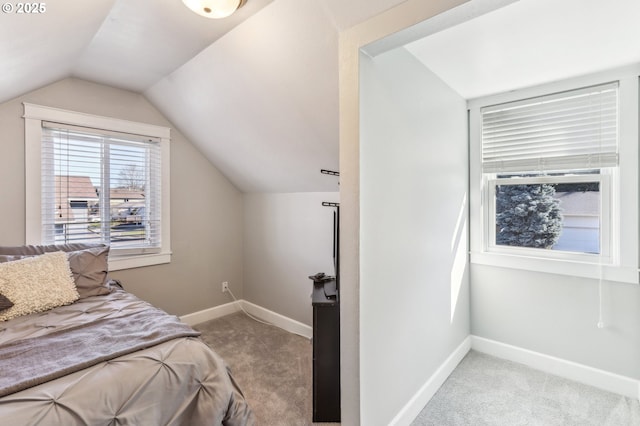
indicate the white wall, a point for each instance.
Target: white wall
{"x":558,"y":315}
{"x":414,"y":300}
{"x":352,"y":41}
{"x":287,"y":238}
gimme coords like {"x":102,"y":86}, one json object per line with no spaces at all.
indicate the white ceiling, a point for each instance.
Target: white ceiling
{"x":531,"y":42}
{"x":141,"y":41}
{"x":127,"y":44}
{"x":262,"y":102}
{"x":257,"y":93}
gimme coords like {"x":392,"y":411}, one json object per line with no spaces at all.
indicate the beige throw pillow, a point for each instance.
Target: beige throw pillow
{"x":37,"y":284}
{"x":88,"y":263}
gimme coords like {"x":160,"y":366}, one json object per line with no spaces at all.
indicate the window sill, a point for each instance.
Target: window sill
{"x":118,"y":263}
{"x":617,"y":273}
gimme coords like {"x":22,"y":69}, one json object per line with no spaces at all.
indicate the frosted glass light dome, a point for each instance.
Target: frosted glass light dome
{"x":215,"y":9}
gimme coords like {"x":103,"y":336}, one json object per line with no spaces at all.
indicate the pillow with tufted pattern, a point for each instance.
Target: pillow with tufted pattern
{"x":37,"y":284}
{"x":88,"y":262}
{"x":89,"y":268}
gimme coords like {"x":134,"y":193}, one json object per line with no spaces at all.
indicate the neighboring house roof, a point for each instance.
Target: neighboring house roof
{"x":79,"y":187}
{"x":579,"y":203}
{"x":126,"y":194}
{"x":68,"y":188}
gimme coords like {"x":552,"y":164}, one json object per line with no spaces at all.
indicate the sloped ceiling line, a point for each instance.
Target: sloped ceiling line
{"x":255,"y":92}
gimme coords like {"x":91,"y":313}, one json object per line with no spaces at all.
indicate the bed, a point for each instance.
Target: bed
{"x":105,"y":357}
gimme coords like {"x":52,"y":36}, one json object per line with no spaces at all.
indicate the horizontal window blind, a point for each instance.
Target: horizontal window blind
{"x":564,"y":131}
{"x":100,"y":186}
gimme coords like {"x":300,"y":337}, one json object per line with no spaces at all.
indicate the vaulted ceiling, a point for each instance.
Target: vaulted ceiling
{"x":257,"y":92}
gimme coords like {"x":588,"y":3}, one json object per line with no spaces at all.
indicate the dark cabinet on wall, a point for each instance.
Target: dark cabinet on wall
{"x":326,"y":351}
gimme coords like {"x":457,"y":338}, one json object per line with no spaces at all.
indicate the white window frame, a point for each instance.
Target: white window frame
{"x":34,"y":115}
{"x":620,"y":202}
{"x":605,"y":229}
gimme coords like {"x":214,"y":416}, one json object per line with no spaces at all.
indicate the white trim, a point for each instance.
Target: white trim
{"x":117,"y":263}
{"x":626,"y":72}
{"x":621,"y":274}
{"x":278,"y":320}
{"x":63,"y":116}
{"x":33,"y":179}
{"x":605,"y":184}
{"x":33,"y":117}
{"x":623,"y":210}
{"x":416,"y":404}
{"x":442,"y":21}
{"x":211,"y":313}
{"x":601,"y":379}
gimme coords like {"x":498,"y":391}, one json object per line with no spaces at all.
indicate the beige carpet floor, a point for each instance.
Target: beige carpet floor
{"x":272,"y":367}
{"x":488,"y":391}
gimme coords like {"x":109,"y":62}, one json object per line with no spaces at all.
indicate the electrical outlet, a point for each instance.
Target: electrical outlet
{"x":225,"y":286}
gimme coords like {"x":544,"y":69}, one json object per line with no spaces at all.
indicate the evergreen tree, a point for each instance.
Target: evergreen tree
{"x":527,"y":216}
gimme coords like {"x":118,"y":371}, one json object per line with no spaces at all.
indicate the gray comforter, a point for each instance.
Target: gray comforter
{"x":178,"y":382}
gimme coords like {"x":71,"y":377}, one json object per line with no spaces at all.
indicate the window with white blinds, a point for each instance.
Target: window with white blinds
{"x":92,"y":178}
{"x":100,"y":186}
{"x":553,"y":177}
{"x":572,"y":130}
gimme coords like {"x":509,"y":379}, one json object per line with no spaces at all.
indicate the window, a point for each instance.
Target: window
{"x":562,"y":212}
{"x":543,"y":161}
{"x":102,"y":187}
{"x":97,"y":179}
{"x":551,"y":175}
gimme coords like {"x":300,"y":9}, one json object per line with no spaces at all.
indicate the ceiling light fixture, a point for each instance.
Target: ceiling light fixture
{"x":215,"y":9}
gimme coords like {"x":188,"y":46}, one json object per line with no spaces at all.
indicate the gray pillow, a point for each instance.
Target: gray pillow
{"x":5,"y":303}
{"x":33,"y":250}
{"x":88,"y":263}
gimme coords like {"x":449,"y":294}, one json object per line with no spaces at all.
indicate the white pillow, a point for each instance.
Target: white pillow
{"x":37,"y":284}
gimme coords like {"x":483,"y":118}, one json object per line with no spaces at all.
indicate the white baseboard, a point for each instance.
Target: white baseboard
{"x":415,"y":405}
{"x":264,"y":314}
{"x":278,"y":320}
{"x":211,"y":313}
{"x":560,"y":367}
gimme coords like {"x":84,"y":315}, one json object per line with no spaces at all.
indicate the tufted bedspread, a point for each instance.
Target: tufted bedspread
{"x":178,"y":382}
